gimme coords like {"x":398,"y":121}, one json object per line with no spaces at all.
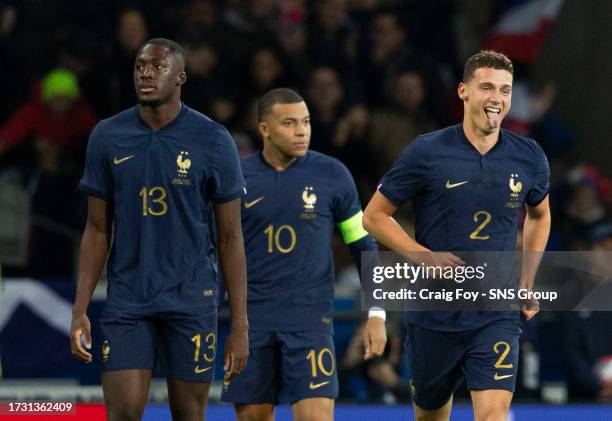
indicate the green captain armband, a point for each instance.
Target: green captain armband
{"x":352,"y":228}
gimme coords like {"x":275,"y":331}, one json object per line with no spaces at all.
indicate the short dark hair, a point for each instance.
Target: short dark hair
{"x":276,"y":96}
{"x":172,"y":46}
{"x":486,"y":58}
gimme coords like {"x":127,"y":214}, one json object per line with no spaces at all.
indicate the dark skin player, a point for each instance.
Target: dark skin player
{"x":158,"y":77}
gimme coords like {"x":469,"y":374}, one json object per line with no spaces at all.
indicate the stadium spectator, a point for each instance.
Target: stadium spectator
{"x":588,"y":350}
{"x":404,"y":116}
{"x":132,"y":31}
{"x":58,"y":120}
{"x":56,"y":117}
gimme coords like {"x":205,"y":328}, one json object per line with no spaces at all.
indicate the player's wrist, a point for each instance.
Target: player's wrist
{"x":240,"y":323}
{"x":377,"y":312}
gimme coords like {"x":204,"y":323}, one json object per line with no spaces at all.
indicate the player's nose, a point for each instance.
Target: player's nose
{"x":495,"y":97}
{"x":147,"y":72}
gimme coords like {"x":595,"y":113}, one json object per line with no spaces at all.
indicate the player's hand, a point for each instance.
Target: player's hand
{"x":439,"y":259}
{"x":374,"y":337}
{"x":530,"y":308}
{"x":236,"y":351}
{"x":80,"y":334}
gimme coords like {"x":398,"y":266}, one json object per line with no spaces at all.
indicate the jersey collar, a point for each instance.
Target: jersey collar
{"x":465,"y":143}
{"x":180,"y":116}
{"x":298,"y":162}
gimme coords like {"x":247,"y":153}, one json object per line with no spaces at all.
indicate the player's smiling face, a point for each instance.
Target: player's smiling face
{"x":157,"y":75}
{"x":286,"y":129}
{"x":487,"y":97}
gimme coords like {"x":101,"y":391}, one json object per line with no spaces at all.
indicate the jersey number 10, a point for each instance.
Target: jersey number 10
{"x":274,"y":238}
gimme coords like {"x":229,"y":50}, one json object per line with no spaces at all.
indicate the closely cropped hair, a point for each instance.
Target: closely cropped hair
{"x":486,"y":58}
{"x":173,"y":47}
{"x":276,"y":96}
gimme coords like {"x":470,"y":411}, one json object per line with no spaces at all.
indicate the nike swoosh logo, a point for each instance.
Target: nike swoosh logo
{"x":317,"y":385}
{"x":120,"y":160}
{"x":199,"y":370}
{"x":450,"y":185}
{"x":253,"y":203}
{"x":498,"y":377}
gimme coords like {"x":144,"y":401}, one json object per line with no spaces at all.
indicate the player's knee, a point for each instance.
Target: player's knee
{"x":322,"y":415}
{"x":187,"y":414}
{"x":321,"y":410}
{"x":431,"y":416}
{"x":124,"y":412}
{"x":494,"y":413}
{"x":255,"y":412}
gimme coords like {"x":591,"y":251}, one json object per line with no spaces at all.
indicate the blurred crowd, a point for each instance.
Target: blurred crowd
{"x":375,"y":74}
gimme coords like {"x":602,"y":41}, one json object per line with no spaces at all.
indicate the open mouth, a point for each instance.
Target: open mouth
{"x":492,"y":110}
{"x":493,"y":116}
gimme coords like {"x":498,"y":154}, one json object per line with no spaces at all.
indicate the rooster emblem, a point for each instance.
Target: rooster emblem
{"x":309,"y":198}
{"x":515,"y":187}
{"x":183,"y":164}
{"x":105,"y":351}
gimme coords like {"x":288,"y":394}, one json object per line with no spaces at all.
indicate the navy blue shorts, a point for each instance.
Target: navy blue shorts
{"x":179,"y":345}
{"x":487,"y":358}
{"x":286,"y":367}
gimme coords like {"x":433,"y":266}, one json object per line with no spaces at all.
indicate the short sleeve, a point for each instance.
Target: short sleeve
{"x":541,"y":176}
{"x":407,"y":175}
{"x":347,"y":200}
{"x":96,"y":180}
{"x":227,"y":180}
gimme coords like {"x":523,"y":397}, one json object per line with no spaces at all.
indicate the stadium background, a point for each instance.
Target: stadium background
{"x":375,"y":73}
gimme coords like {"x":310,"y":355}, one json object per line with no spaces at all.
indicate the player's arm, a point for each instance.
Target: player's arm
{"x":92,"y":256}
{"x":535,"y":237}
{"x":359,"y":241}
{"x":233,"y":265}
{"x":378,"y":221}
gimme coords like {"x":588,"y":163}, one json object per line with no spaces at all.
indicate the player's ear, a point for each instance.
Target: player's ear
{"x":462,"y":92}
{"x":263,"y":129}
{"x":182,"y":78}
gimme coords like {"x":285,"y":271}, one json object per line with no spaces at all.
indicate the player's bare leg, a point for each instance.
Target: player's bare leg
{"x":491,"y":405}
{"x":313,"y":409}
{"x":187,"y":400}
{"x":440,"y":414}
{"x":255,"y":412}
{"x":126,"y":393}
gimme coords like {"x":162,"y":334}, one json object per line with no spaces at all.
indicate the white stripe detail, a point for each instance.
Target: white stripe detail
{"x":42,"y":300}
{"x":526,"y":19}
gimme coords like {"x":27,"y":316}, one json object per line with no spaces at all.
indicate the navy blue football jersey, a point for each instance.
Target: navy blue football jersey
{"x":161,"y":185}
{"x":465,"y":201}
{"x":288,"y":219}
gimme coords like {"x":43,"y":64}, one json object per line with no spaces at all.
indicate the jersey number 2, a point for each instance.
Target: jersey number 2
{"x":486,"y":219}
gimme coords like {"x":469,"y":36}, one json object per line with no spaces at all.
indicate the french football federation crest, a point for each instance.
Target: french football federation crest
{"x":309,"y":199}
{"x":183,"y":163}
{"x":515,"y":188}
